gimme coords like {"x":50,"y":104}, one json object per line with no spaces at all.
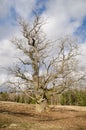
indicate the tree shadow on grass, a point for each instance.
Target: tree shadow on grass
{"x":40,"y":117}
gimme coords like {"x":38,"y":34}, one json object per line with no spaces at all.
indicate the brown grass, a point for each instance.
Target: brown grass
{"x":17,"y":116}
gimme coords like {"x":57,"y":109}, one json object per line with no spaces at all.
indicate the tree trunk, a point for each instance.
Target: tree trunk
{"x":41,"y":107}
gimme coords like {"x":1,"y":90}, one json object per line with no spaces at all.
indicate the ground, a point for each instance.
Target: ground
{"x":17,"y":116}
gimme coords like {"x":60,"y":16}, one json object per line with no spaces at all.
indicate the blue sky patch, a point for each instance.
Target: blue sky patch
{"x":81,"y":31}
{"x":41,"y":4}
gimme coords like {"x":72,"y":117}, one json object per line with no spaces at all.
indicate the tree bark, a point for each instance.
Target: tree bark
{"x":41,"y":107}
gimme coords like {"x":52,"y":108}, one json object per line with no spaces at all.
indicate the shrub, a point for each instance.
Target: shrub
{"x":74,"y":97}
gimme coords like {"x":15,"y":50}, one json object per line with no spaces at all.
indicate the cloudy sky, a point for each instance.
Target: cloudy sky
{"x":64,"y":17}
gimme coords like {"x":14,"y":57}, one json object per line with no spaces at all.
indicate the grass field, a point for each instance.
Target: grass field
{"x":17,"y":116}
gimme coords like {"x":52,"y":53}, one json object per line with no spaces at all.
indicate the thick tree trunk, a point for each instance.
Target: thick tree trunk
{"x":41,"y":107}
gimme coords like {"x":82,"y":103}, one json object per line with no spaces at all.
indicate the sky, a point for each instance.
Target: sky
{"x":64,"y":17}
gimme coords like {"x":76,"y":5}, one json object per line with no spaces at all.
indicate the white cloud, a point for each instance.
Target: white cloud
{"x":5,"y":7}
{"x":24,"y":7}
{"x":64,"y":16}
{"x":8,"y":31}
{"x":3,"y":78}
{"x":82,"y":57}
{"x":7,"y":53}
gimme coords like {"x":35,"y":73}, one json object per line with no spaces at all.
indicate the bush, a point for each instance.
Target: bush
{"x":74,"y":97}
{"x":4,"y":96}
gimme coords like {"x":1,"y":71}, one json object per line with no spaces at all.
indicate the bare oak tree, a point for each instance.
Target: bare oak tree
{"x":38,"y":72}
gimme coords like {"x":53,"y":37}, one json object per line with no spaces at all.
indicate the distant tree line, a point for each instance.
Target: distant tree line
{"x":15,"y":97}
{"x":74,"y":97}
{"x":70,"y":97}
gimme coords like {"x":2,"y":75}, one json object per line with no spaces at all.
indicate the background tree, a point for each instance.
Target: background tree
{"x":38,"y":72}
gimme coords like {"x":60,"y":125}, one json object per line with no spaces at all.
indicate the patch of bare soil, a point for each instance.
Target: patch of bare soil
{"x":17,"y":116}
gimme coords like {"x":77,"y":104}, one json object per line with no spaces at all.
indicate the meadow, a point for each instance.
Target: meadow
{"x":19,"y":116}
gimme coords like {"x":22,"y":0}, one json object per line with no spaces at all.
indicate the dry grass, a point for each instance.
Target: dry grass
{"x":16,"y":116}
